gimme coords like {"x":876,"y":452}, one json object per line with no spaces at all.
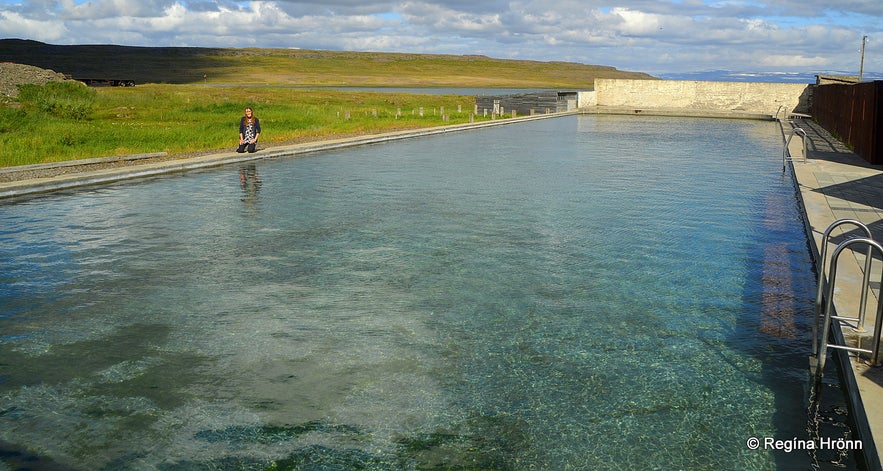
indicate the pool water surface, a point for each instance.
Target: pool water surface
{"x":583,"y":292}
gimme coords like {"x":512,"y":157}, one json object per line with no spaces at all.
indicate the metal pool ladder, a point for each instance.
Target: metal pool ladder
{"x":802,"y":134}
{"x":825,"y":296}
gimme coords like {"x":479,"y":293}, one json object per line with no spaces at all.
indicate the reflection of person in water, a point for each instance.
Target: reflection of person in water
{"x":249,"y":182}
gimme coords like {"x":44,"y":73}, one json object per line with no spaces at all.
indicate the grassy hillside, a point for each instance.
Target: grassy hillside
{"x":298,"y":67}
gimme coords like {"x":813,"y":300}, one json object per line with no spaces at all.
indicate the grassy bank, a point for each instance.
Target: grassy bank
{"x":188,"y":118}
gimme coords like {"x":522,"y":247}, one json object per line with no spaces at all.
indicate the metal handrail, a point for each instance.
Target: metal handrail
{"x":788,"y":142}
{"x":875,"y":351}
{"x":823,"y":280}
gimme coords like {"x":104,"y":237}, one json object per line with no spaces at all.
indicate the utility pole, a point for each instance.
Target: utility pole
{"x":861,"y":67}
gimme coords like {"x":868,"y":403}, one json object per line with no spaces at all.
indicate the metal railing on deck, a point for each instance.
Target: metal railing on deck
{"x":788,"y":143}
{"x":825,"y":297}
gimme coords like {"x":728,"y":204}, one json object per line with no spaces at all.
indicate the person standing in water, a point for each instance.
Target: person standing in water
{"x":249,"y":131}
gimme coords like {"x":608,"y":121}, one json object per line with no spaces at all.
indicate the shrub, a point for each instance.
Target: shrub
{"x":10,"y":119}
{"x":68,"y":99}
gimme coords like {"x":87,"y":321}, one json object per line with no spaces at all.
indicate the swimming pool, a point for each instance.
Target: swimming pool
{"x":584,"y":292}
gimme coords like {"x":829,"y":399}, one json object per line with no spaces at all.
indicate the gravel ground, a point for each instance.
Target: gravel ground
{"x":12,"y":174}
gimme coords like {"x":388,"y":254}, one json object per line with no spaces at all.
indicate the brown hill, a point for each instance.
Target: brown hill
{"x":298,"y":67}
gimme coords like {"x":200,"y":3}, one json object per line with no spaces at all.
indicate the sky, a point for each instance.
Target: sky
{"x":665,"y":38}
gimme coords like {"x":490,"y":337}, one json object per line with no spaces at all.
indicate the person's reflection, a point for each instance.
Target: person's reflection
{"x":249,"y":182}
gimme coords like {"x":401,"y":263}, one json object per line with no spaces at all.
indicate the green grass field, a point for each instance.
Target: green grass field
{"x":187,"y":118}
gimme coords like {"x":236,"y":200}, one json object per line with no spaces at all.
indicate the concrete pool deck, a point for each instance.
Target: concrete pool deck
{"x":834,"y":183}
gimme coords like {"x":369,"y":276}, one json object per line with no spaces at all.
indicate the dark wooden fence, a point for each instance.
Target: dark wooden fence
{"x":854,"y":114}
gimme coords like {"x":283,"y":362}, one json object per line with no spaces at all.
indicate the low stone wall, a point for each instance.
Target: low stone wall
{"x":742,"y":97}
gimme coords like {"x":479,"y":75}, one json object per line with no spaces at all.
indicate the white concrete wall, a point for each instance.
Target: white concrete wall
{"x":584,"y":99}
{"x":747,"y":97}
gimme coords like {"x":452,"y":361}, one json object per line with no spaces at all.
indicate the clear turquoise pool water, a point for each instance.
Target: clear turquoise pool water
{"x":589,"y":292}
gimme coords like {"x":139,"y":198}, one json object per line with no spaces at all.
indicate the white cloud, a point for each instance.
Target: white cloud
{"x":637,"y":23}
{"x":15,"y":25}
{"x":654,"y":36}
{"x":94,"y":10}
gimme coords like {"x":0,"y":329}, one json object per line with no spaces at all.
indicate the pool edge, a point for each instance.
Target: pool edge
{"x":99,"y":177}
{"x":814,"y":222}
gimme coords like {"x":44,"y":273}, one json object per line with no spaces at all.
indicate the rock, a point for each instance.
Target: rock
{"x":12,"y":75}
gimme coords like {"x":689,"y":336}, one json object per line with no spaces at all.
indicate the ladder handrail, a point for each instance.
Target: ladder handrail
{"x":823,"y":250}
{"x":788,"y":142}
{"x":875,"y":351}
{"x":780,"y":108}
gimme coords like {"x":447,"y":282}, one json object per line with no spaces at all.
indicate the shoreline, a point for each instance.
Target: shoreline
{"x":46,"y":178}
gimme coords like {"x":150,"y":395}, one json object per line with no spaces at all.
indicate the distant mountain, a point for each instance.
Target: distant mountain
{"x":775,"y":77}
{"x":301,"y":67}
